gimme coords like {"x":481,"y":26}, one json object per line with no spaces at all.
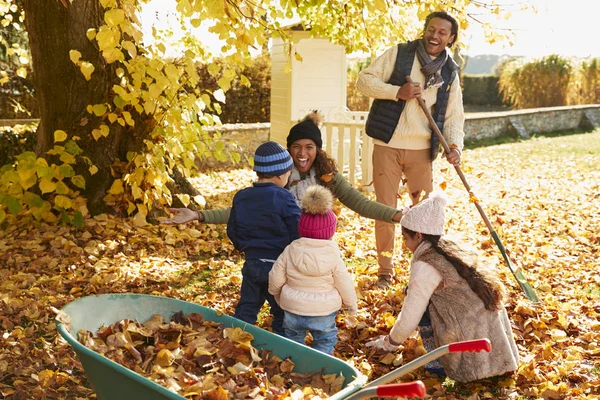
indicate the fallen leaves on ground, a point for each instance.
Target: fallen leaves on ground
{"x":542,"y":196}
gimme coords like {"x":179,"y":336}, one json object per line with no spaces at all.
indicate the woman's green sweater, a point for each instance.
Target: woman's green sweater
{"x":348,"y":196}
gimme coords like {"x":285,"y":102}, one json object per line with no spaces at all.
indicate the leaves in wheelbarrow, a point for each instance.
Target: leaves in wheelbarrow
{"x":202,"y":360}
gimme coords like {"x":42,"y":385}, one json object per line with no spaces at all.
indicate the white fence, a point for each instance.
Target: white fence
{"x":347,"y":142}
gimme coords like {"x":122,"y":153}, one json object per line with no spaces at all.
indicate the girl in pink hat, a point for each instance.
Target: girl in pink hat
{"x":450,"y":299}
{"x":309,"y":280}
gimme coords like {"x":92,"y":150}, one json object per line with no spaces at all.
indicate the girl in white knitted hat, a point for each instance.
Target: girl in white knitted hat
{"x":450,"y":299}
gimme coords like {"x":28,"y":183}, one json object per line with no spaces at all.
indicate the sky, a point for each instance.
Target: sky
{"x":565,"y":27}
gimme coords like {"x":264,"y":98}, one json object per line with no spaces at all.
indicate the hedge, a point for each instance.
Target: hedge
{"x":481,"y":90}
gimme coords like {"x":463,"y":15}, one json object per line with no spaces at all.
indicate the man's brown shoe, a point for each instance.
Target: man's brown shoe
{"x":383,"y":282}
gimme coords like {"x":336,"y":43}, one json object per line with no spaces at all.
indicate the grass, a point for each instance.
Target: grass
{"x":475,"y":143}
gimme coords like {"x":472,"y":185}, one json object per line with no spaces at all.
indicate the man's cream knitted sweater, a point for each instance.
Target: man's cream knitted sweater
{"x":413,"y":131}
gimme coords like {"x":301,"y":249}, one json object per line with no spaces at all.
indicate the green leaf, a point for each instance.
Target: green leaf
{"x":33,"y":200}
{"x":66,"y":171}
{"x":2,"y":215}
{"x":61,"y":188}
{"x":99,"y":109}
{"x":72,"y":148}
{"x":78,"y":181}
{"x":119,"y":102}
{"x":78,"y":219}
{"x":13,"y":205}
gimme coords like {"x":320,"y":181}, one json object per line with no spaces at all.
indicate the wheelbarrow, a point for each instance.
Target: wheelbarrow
{"x":113,"y":381}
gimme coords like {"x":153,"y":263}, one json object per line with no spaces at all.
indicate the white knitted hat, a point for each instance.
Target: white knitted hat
{"x":428,"y":216}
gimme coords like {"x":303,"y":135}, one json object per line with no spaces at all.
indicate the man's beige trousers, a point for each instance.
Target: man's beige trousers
{"x":390,"y":167}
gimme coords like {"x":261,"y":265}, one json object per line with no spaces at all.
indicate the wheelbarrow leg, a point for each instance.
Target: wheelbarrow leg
{"x":410,"y":389}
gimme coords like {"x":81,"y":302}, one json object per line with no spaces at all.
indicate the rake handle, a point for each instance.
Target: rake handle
{"x":518,"y":275}
{"x":447,"y":149}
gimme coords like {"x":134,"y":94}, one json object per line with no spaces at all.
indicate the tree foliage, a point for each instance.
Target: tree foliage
{"x":133,"y":115}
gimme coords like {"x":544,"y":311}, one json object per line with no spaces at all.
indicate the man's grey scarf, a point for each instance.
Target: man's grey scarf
{"x":432,"y":69}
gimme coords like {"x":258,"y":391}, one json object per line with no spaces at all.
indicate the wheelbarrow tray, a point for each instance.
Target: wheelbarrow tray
{"x":113,"y":381}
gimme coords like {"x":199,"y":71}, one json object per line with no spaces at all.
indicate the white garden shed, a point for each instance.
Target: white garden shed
{"x":317,"y":80}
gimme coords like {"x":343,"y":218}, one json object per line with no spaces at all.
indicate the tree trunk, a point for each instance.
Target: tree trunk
{"x":63,"y":93}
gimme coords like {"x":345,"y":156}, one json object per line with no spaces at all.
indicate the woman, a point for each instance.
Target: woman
{"x":312,"y":166}
{"x":453,"y":300}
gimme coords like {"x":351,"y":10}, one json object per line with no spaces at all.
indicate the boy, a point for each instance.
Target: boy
{"x":263,"y":221}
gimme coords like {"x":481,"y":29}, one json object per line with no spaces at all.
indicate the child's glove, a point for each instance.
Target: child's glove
{"x":382,"y":343}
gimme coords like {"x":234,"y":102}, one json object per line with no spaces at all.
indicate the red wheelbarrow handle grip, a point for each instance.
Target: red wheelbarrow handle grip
{"x":410,"y":389}
{"x":471,"y":345}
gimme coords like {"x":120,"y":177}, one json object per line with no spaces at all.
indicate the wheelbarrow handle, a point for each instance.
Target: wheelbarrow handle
{"x":470,"y":345}
{"x":409,"y":389}
{"x":457,"y":347}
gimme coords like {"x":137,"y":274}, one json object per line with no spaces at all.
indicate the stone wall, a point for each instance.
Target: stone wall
{"x":244,"y":138}
{"x":526,"y":122}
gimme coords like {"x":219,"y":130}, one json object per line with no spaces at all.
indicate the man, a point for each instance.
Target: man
{"x":405,"y":145}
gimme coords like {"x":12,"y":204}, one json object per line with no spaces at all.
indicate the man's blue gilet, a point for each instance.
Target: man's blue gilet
{"x":385,"y":114}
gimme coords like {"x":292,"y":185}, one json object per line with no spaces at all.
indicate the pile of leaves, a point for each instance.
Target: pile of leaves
{"x":199,"y":359}
{"x":541,"y":195}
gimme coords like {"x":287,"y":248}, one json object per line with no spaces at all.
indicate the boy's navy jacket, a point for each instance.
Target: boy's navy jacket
{"x":263,"y":221}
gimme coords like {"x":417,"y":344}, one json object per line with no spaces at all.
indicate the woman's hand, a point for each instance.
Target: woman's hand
{"x":399,"y":214}
{"x":383,"y":343}
{"x":182,"y":216}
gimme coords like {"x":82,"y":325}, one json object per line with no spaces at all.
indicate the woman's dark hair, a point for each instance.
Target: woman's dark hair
{"x":324,"y":165}
{"x":447,"y":17}
{"x":482,"y":282}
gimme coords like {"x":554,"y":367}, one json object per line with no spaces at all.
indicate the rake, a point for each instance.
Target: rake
{"x":517,"y":273}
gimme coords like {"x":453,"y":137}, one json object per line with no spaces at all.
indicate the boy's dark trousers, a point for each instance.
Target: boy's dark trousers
{"x":255,"y":290}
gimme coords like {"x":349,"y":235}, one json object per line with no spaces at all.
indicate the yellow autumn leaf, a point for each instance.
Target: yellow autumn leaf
{"x":47,"y":186}
{"x":93,"y":169}
{"x":90,"y":33}
{"x":130,"y":207}
{"x":114,"y":17}
{"x":60,"y":136}
{"x":97,"y":134}
{"x":116,"y":187}
{"x":22,"y":72}
{"x":86,"y":69}
{"x":185,"y":198}
{"x":74,"y":55}
{"x":63,"y":202}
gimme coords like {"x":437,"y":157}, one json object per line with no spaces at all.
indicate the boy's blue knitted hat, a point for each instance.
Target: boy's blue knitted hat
{"x":272,"y":159}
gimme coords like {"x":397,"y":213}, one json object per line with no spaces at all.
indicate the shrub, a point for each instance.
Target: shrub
{"x":356,"y":101}
{"x":244,"y":104}
{"x":586,"y":83}
{"x":481,"y":90}
{"x":16,"y":140}
{"x":542,"y":82}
